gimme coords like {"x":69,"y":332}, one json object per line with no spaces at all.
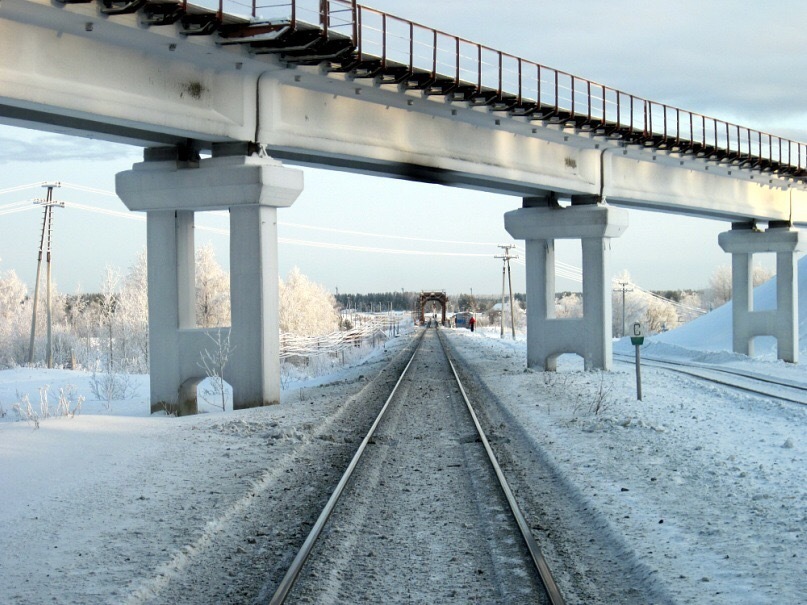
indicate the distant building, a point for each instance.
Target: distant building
{"x":461,"y":319}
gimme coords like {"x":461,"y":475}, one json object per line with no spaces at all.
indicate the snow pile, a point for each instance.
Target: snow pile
{"x":705,"y":485}
{"x":712,"y":332}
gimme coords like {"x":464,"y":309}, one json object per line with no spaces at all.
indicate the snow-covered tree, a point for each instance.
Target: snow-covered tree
{"x":212,"y":290}
{"x":133,"y":316}
{"x":15,"y":319}
{"x":569,"y":306}
{"x":760,"y":275}
{"x":306,"y":308}
{"x":659,"y":315}
{"x":82,"y":317}
{"x":654,"y":313}
{"x":627,"y":310}
{"x":107,"y":304}
{"x":720,"y":286}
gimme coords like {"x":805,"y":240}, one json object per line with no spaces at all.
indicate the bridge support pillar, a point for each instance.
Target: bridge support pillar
{"x":547,"y":336}
{"x":742,"y":242}
{"x":251,"y":188}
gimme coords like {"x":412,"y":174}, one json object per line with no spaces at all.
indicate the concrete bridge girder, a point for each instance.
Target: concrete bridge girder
{"x":71,"y":69}
{"x":251,"y":189}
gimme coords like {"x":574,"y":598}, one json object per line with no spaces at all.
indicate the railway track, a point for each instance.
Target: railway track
{"x":750,"y":382}
{"x":423,"y":512}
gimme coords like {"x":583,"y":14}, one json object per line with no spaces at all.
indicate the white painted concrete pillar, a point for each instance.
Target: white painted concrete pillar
{"x":255,"y":307}
{"x":782,"y":322}
{"x":251,"y":188}
{"x":169,"y":235}
{"x":597,"y":289}
{"x":547,"y":336}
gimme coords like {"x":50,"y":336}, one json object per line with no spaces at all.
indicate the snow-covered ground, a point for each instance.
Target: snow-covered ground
{"x":706,"y":485}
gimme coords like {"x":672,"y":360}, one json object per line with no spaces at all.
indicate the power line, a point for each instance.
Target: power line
{"x":563,"y":270}
{"x":15,"y":207}
{"x":20,"y":188}
{"x":384,"y":235}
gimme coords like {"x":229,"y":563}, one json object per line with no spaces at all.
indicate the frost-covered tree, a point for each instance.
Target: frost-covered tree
{"x":569,"y":306}
{"x":212,"y":290}
{"x":15,"y":318}
{"x":659,"y":315}
{"x":107,"y":305}
{"x":720,"y":286}
{"x":82,"y":317}
{"x":630,"y":308}
{"x":760,"y":275}
{"x":654,"y":313}
{"x":133,"y":317}
{"x":306,"y":308}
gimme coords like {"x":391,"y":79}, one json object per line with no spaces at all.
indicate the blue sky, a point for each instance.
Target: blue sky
{"x":737,"y":61}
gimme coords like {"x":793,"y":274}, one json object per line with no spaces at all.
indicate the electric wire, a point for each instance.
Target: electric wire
{"x":563,"y":270}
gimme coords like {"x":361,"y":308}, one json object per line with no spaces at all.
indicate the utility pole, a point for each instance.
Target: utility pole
{"x":506,"y":256}
{"x":44,"y":246}
{"x":623,"y":286}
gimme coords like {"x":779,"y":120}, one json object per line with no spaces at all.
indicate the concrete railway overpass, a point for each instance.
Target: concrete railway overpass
{"x":329,"y":83}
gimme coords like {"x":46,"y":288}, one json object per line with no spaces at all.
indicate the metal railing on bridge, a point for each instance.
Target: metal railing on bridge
{"x":371,"y":43}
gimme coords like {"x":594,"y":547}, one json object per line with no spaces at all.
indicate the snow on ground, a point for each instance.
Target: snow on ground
{"x":712,"y":332}
{"x":705,"y":484}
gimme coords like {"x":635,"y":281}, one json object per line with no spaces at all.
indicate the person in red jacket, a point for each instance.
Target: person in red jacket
{"x":472,"y":322}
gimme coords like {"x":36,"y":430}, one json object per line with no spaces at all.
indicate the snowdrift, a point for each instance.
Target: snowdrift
{"x":712,"y":332}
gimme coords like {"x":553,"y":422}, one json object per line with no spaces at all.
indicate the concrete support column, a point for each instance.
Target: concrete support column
{"x":254,"y":369}
{"x":251,"y":188}
{"x":597,"y":288}
{"x":742,"y":243}
{"x":548,"y":337}
{"x":169,"y":235}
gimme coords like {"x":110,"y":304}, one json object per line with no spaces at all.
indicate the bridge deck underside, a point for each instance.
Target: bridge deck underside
{"x":338,"y":42}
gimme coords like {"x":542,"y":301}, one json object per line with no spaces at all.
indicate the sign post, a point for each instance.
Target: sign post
{"x":637,"y":340}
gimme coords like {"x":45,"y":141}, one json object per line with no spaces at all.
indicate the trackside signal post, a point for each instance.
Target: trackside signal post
{"x":637,"y":340}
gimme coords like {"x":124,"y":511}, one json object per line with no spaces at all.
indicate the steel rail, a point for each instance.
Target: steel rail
{"x":292,"y":574}
{"x":701,"y":371}
{"x":555,"y":596}
{"x":287,"y":583}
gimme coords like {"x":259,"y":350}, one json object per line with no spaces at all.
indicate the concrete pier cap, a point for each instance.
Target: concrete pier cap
{"x":218,"y":183}
{"x":574,"y":222}
{"x":251,"y":187}
{"x":590,"y":336}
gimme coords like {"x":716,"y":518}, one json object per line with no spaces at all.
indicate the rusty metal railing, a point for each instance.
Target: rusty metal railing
{"x":525,"y":87}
